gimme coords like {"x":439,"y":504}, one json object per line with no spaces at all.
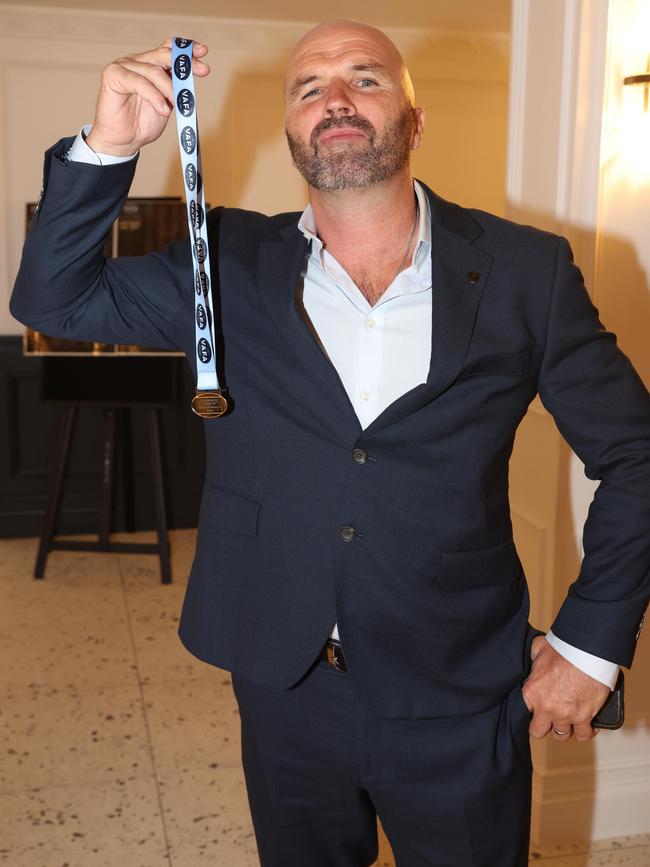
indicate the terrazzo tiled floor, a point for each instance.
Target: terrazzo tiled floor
{"x":116,"y":746}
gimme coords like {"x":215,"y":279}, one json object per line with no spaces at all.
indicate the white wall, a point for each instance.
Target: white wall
{"x":51,"y":60}
{"x":622,"y":294}
{"x":578,"y":164}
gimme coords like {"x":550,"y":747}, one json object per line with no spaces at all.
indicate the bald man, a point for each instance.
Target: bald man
{"x":355,"y":568}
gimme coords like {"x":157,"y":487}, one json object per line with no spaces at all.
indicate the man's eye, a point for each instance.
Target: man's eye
{"x":311,"y":93}
{"x":366,"y":82}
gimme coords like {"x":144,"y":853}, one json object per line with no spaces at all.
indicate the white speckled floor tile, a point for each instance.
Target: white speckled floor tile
{"x":615,"y":843}
{"x":627,"y":856}
{"x":611,"y":845}
{"x":17,"y":559}
{"x":65,"y":570}
{"x":58,"y":736}
{"x":193,"y":723}
{"x":142,"y":591}
{"x":81,"y":651}
{"x":207,"y":817}
{"x":154,"y":611}
{"x":104,"y":714}
{"x":87,"y":825}
{"x":154,"y":615}
{"x":141,"y":571}
{"x":41,"y":602}
{"x":160,"y":653}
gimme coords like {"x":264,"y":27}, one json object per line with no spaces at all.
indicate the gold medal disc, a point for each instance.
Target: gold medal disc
{"x":209,"y":404}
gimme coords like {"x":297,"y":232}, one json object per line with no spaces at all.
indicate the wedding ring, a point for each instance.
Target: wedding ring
{"x":555,"y":731}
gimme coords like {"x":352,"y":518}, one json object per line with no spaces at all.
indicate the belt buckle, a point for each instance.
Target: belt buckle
{"x":335,"y":656}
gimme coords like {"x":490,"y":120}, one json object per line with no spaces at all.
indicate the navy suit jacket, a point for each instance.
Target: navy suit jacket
{"x":429,"y":592}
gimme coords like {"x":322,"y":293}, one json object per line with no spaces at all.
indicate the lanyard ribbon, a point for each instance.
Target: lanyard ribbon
{"x":208,"y":401}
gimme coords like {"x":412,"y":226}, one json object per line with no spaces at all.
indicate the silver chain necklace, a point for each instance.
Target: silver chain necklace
{"x":411,"y":236}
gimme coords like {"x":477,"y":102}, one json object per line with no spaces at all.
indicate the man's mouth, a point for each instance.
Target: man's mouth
{"x":341,"y":130}
{"x":340,"y":134}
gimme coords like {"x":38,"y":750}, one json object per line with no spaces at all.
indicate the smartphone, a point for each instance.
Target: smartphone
{"x":612,"y":713}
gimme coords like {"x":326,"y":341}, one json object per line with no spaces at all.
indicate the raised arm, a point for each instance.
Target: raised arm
{"x":65,"y":287}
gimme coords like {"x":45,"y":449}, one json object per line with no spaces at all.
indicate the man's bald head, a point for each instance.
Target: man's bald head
{"x":326,"y":39}
{"x":350,"y":118}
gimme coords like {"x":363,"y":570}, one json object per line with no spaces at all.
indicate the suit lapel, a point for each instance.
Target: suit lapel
{"x":281,"y":266}
{"x":459,"y":274}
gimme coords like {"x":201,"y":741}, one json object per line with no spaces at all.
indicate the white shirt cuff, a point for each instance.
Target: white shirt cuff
{"x":80,"y":152}
{"x":600,"y":669}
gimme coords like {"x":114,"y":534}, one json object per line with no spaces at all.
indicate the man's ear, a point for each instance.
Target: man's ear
{"x":418,"y":128}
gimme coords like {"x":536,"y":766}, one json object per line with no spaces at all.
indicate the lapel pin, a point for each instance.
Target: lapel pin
{"x":473,"y":276}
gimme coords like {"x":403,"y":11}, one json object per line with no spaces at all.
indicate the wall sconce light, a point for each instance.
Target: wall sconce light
{"x":644,"y":80}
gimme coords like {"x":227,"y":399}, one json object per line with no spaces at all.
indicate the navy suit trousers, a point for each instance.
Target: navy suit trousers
{"x":320,"y":766}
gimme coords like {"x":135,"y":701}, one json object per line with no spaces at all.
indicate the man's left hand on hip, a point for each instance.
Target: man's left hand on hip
{"x":562,"y":698}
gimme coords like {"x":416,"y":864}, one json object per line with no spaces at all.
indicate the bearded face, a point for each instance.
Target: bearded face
{"x":348,"y":163}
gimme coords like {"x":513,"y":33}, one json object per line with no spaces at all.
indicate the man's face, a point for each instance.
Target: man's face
{"x":349,"y":119}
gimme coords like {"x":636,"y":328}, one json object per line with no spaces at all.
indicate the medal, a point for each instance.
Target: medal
{"x":209,"y":404}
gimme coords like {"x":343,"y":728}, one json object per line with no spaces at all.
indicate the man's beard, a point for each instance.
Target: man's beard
{"x":349,"y":165}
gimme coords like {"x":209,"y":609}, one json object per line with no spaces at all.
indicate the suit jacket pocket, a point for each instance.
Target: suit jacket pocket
{"x":229,"y":510}
{"x":513,"y":364}
{"x":485,"y":567}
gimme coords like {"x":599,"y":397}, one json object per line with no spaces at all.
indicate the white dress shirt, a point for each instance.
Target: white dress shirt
{"x":379,"y":351}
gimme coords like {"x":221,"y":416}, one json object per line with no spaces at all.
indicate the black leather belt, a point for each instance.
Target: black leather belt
{"x":332,"y":653}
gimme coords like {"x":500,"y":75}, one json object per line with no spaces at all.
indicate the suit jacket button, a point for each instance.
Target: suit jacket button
{"x":473,"y":276}
{"x":359,"y":456}
{"x":347,"y":533}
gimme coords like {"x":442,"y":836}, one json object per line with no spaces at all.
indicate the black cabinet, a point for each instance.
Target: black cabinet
{"x":28,"y":431}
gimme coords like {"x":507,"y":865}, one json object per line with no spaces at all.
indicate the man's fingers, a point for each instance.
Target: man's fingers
{"x":536,"y":645}
{"x":199,"y":49}
{"x":584,"y":731}
{"x":196,"y":45}
{"x":133,"y":83}
{"x":540,"y":725}
{"x":561,"y":731}
{"x":157,"y":76}
{"x":199,"y":68}
{"x":162,"y":56}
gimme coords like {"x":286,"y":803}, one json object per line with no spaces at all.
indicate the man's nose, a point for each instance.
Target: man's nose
{"x":339,"y":102}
